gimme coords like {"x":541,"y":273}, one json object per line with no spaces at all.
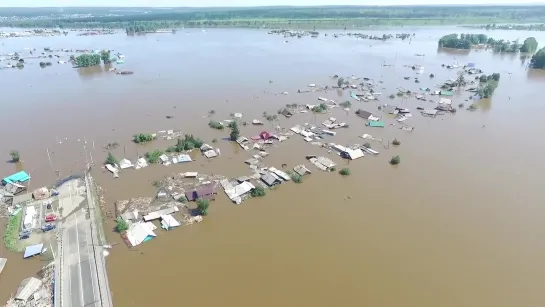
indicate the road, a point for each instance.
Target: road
{"x":82,"y":275}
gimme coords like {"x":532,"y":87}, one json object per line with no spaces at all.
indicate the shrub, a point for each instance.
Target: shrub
{"x":346,"y":104}
{"x":395,"y":160}
{"x":142,"y":138}
{"x":110,"y":159}
{"x":344,"y":172}
{"x":235,"y":133}
{"x":216,"y":125}
{"x":258,"y":192}
{"x":296,"y":177}
{"x":15,"y":157}
{"x":121,"y":225}
{"x":367,"y":145}
{"x":461,"y":105}
{"x":396,"y":142}
{"x":473,"y":107}
{"x":153,"y":157}
{"x":202,"y":206}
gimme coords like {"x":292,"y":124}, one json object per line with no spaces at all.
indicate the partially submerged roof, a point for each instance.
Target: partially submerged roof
{"x":21,"y":176}
{"x":2,"y":264}
{"x":363,"y":114}
{"x":167,"y":222}
{"x":269,"y":179}
{"x":28,"y":287}
{"x":353,"y":154}
{"x":157,"y":214}
{"x":125,"y":163}
{"x":379,"y":124}
{"x":33,"y":250}
{"x":206,"y":191}
{"x":235,"y":193}
{"x":301,"y":170}
{"x":280,"y":173}
{"x":14,"y":188}
{"x":139,"y":233}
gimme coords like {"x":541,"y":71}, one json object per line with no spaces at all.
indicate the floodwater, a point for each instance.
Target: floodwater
{"x":458,"y":223}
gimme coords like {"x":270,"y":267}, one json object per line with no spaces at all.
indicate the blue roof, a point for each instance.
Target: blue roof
{"x":33,"y":250}
{"x":21,"y":176}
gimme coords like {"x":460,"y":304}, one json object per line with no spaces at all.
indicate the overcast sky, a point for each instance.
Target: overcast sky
{"x":202,"y":3}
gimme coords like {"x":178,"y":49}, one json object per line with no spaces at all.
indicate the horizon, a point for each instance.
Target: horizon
{"x":253,"y":3}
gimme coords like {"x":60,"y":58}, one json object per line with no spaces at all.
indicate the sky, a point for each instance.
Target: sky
{"x":208,"y":3}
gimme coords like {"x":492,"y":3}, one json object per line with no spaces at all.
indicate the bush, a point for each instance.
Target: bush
{"x":121,"y":225}
{"x":153,"y":157}
{"x":187,"y":143}
{"x":346,"y":104}
{"x":110,"y":159}
{"x":473,"y":107}
{"x":367,"y":145}
{"x":296,"y":177}
{"x":395,"y":160}
{"x":15,"y":156}
{"x":396,"y":142}
{"x":461,"y":105}
{"x":216,"y":125}
{"x":344,"y":172}
{"x":202,"y":206}
{"x":258,"y":192}
{"x":12,"y":231}
{"x":142,"y":138}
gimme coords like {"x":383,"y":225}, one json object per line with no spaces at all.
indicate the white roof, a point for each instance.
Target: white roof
{"x":125,"y":163}
{"x":167,"y":221}
{"x":191,"y":174}
{"x":280,"y":173}
{"x":163,"y":158}
{"x":138,"y":232}
{"x":325,"y":162}
{"x":239,"y":190}
{"x":27,"y":288}
{"x":141,"y":162}
{"x":354,"y":154}
{"x":210,"y":153}
{"x":445,"y":101}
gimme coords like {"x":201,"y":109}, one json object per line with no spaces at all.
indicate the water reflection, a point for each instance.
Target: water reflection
{"x":455,"y":52}
{"x":535,"y":74}
{"x":93,"y":71}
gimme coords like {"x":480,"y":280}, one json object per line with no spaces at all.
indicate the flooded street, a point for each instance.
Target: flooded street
{"x":458,"y":223}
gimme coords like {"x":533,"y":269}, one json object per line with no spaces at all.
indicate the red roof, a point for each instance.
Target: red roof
{"x":265,"y":135}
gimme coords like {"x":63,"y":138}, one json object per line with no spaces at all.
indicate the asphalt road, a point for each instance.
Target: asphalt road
{"x":79,"y":273}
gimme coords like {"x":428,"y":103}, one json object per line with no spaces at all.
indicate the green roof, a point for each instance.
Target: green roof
{"x":375,"y":124}
{"x":447,"y":93}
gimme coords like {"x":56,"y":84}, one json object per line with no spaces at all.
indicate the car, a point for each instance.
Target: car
{"x":50,"y":218}
{"x":25,"y":234}
{"x":48,"y":227}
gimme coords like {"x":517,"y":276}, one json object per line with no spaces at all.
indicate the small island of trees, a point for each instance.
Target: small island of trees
{"x":468,"y":41}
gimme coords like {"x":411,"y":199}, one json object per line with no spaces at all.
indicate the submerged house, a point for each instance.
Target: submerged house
{"x":168,"y":222}
{"x":19,"y":177}
{"x":140,"y":232}
{"x":236,"y":193}
{"x":205,"y":192}
{"x":270,"y":180}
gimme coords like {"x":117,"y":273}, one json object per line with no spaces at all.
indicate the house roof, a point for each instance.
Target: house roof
{"x":301,"y":170}
{"x":205,"y":191}
{"x":363,"y":114}
{"x":269,"y":179}
{"x":375,"y":124}
{"x":239,"y":190}
{"x":265,"y":135}
{"x":139,"y":232}
{"x":21,"y":176}
{"x":33,"y":250}
{"x":167,"y":221}
{"x":28,"y":287}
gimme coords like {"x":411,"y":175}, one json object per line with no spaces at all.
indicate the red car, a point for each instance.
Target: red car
{"x":50,"y":218}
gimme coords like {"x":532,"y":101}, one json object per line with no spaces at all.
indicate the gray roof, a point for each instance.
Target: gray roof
{"x":269,"y":179}
{"x":364,"y":114}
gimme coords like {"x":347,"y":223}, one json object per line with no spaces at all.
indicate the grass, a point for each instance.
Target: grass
{"x":344,"y":172}
{"x":12,"y":231}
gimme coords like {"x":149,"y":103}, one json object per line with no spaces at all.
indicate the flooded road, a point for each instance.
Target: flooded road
{"x":458,"y":223}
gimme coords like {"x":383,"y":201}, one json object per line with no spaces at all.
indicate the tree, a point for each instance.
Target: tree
{"x":110,"y":159}
{"x":121,"y":225}
{"x":202,"y":206}
{"x":296,"y":177}
{"x":538,"y":59}
{"x":395,"y":160}
{"x":340,"y":82}
{"x":142,"y":138}
{"x":396,"y":142}
{"x":529,"y":45}
{"x":235,"y":132}
{"x":153,"y":157}
{"x":105,"y":56}
{"x":257,"y":192}
{"x":216,"y":125}
{"x":487,"y":89}
{"x":461,"y":81}
{"x":344,"y":172}
{"x":15,"y":156}
{"x":86,"y":60}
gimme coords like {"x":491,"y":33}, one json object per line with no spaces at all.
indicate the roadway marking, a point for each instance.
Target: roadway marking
{"x":79,"y":255}
{"x":89,"y":261}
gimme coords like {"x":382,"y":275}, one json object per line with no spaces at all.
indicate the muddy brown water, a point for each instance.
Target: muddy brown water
{"x":458,"y":223}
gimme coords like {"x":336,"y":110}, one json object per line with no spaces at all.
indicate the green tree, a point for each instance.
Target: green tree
{"x":235,"y":132}
{"x":257,"y":192}
{"x":529,"y":45}
{"x":105,"y":56}
{"x":110,"y":159}
{"x":142,"y":138}
{"x":340,"y":82}
{"x":216,"y":125}
{"x":121,"y":225}
{"x":153,"y":157}
{"x":15,"y":157}
{"x":202,"y":206}
{"x":396,"y":142}
{"x":86,"y":60}
{"x":395,"y":160}
{"x":344,"y":172}
{"x":538,"y":59}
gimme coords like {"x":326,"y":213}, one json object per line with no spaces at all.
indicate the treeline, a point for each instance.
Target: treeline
{"x":467,"y":41}
{"x":120,"y":18}
{"x":517,"y":27}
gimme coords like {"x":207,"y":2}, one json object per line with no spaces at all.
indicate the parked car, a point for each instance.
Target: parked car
{"x":48,"y":227}
{"x":50,"y":218}
{"x":25,"y":234}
